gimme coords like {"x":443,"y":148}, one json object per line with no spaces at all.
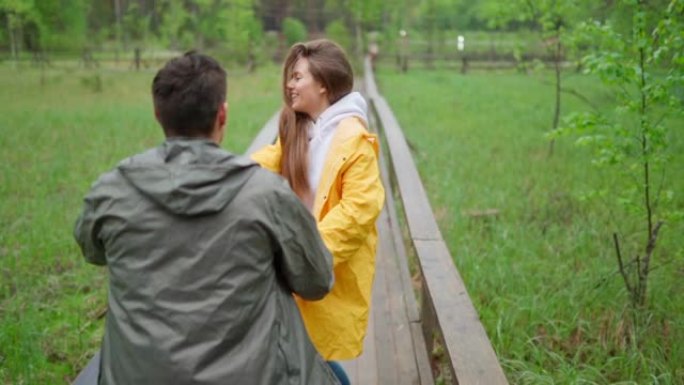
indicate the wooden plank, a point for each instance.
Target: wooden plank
{"x":267,"y":135}
{"x":384,"y":345}
{"x":89,"y":375}
{"x":367,"y":369}
{"x":407,"y":371}
{"x":369,"y":79}
{"x":422,"y":357}
{"x":352,"y":368}
{"x":399,"y":249}
{"x":427,"y":317}
{"x":421,"y":222}
{"x":471,"y":355}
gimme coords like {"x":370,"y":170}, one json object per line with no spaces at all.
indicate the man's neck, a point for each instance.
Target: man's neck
{"x":216,"y":137}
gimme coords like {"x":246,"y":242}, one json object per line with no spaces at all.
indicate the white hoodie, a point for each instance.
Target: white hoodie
{"x":323,"y":130}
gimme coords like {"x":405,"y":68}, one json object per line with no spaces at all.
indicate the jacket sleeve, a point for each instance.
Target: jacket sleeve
{"x":304,"y":261}
{"x":269,"y":156}
{"x":347,"y":225}
{"x":87,"y":232}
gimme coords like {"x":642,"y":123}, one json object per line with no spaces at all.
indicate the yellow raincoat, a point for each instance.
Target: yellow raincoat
{"x":348,"y":200}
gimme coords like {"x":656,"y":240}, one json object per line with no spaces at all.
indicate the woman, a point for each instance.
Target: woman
{"x":330,"y":161}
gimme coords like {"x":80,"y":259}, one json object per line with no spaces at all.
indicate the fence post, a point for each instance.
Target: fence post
{"x":404,"y":50}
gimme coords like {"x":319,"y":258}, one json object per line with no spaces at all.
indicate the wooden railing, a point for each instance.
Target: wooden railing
{"x":446,"y":311}
{"x":266,"y":136}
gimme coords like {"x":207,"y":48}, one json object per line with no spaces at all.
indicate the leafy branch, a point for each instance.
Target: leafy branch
{"x":645,"y":65}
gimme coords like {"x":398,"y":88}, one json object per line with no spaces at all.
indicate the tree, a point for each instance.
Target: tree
{"x":645,"y":65}
{"x":173,"y":24}
{"x":294,"y":31}
{"x":208,"y":19}
{"x":135,"y":24}
{"x":358,"y":17}
{"x":339,"y":32}
{"x":16,"y":13}
{"x":400,"y":17}
{"x":437,"y":16}
{"x":41,"y":25}
{"x":244,"y":32}
{"x":553,"y":19}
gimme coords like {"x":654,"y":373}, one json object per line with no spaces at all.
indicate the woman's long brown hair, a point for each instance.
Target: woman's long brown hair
{"x":329,"y":66}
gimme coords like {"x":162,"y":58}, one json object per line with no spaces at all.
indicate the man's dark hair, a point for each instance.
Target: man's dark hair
{"x":187,"y":94}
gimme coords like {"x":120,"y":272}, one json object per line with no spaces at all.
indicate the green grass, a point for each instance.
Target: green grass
{"x":543,"y":273}
{"x":55,"y":139}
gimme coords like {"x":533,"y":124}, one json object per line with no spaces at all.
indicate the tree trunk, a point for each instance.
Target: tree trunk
{"x":311,"y":17}
{"x":155,"y":16}
{"x":359,"y":36}
{"x":118,"y":17}
{"x":645,"y":152}
{"x":557,"y":69}
{"x":13,"y":41}
{"x":251,"y":58}
{"x":43,"y":63}
{"x":281,"y":10}
{"x":430,"y":35}
{"x":404,"y":54}
{"x":556,"y":114}
{"x":199,"y":35}
{"x":137,"y":58}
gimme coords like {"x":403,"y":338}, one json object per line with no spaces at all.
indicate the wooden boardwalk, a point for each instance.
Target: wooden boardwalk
{"x":401,"y":331}
{"x":394,"y":348}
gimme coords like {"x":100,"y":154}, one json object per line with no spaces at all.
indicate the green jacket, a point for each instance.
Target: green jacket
{"x":204,"y":251}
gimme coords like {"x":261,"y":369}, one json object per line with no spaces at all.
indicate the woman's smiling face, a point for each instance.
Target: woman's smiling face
{"x":305,"y":93}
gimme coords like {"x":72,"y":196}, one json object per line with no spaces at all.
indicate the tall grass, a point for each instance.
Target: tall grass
{"x":542,"y":272}
{"x":55,"y":139}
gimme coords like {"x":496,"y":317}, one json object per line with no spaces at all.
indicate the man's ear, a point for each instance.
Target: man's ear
{"x":223,"y":114}
{"x":220,"y":124}
{"x":156,"y":115}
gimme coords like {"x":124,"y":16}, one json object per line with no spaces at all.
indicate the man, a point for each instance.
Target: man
{"x":204,"y":250}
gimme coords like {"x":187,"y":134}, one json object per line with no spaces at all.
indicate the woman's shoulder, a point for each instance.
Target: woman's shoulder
{"x":269,"y":156}
{"x":353,"y":127}
{"x":352,"y":132}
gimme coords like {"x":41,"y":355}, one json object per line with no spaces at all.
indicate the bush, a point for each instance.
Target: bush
{"x":294,"y":31}
{"x":337,"y":31}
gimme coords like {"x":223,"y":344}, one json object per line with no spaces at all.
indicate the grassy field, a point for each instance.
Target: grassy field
{"x":542,"y":273}
{"x":55,"y":139}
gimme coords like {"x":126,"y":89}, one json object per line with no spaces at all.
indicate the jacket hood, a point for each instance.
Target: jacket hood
{"x":351,"y":105}
{"x":322,"y":131}
{"x":188,"y":176}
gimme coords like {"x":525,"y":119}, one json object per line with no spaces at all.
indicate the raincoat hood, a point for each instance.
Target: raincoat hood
{"x":204,"y":250}
{"x":188,"y":176}
{"x":352,"y":104}
{"x":323,"y":130}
